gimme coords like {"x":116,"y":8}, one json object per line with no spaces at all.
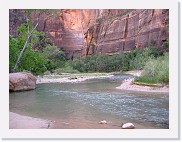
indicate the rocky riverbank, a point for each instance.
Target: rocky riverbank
{"x":71,"y":78}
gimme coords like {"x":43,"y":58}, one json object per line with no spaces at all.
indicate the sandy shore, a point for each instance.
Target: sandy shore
{"x":17,"y":121}
{"x":128,"y":85}
{"x":68,"y":79}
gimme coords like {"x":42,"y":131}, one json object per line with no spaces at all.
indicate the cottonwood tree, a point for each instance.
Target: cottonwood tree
{"x":31,"y":28}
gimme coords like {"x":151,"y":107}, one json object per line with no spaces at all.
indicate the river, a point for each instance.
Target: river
{"x":82,"y":105}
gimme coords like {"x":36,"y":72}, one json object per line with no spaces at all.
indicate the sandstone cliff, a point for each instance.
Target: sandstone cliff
{"x":101,"y":31}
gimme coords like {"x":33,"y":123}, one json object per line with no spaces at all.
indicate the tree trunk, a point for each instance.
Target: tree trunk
{"x":24,"y":47}
{"x":21,"y":53}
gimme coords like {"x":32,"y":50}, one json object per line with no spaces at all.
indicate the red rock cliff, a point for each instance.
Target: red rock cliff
{"x":85,"y":32}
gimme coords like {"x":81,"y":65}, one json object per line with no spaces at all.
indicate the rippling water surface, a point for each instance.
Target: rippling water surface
{"x":83,"y":105}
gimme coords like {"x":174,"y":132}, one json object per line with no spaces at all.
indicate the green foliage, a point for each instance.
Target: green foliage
{"x":34,"y":58}
{"x":78,"y":65}
{"x":66,"y":69}
{"x":54,"y":57}
{"x":14,"y":51}
{"x":31,"y":60}
{"x":38,"y":39}
{"x":35,"y":61}
{"x":156,"y":52}
{"x":165,"y":45}
{"x":53,"y":53}
{"x":146,"y":79}
{"x":156,"y":71}
{"x":135,"y":59}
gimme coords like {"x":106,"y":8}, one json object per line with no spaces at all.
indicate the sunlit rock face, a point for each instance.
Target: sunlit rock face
{"x":96,"y":31}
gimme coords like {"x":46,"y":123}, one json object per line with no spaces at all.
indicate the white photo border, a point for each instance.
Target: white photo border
{"x":171,"y":133}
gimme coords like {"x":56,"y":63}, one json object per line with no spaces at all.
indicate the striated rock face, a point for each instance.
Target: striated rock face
{"x":21,"y":81}
{"x":135,"y":29}
{"x":108,"y":31}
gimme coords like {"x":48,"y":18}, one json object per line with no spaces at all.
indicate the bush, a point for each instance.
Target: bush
{"x":165,"y":45}
{"x":78,"y":65}
{"x":156,"y":71}
{"x":55,"y":58}
{"x":135,"y":59}
{"x":65,"y":70}
{"x":139,"y":58}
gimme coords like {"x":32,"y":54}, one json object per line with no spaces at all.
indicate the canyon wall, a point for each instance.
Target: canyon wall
{"x":123,"y":32}
{"x":101,"y":31}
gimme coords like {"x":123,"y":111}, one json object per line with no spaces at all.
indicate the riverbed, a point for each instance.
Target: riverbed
{"x":82,"y":105}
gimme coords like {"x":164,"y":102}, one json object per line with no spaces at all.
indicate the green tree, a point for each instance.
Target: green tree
{"x":14,"y":51}
{"x":28,"y":32}
{"x":54,"y":57}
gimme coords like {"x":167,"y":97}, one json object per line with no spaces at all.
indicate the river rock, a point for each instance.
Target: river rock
{"x":127,"y":126}
{"x":21,"y":81}
{"x":72,"y":78}
{"x":103,"y":122}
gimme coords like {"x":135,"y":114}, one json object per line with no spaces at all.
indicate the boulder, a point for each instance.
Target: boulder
{"x":21,"y":81}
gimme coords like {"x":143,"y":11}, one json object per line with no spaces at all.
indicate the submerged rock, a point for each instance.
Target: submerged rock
{"x":21,"y":81}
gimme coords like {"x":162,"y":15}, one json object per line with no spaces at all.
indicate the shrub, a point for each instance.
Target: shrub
{"x":55,"y":58}
{"x":102,"y":63}
{"x":65,"y":70}
{"x":78,"y":65}
{"x":165,"y":45}
{"x":156,"y":71}
{"x":135,"y":59}
{"x":139,"y":58}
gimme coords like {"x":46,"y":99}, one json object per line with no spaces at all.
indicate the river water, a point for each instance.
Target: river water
{"x":82,"y":105}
